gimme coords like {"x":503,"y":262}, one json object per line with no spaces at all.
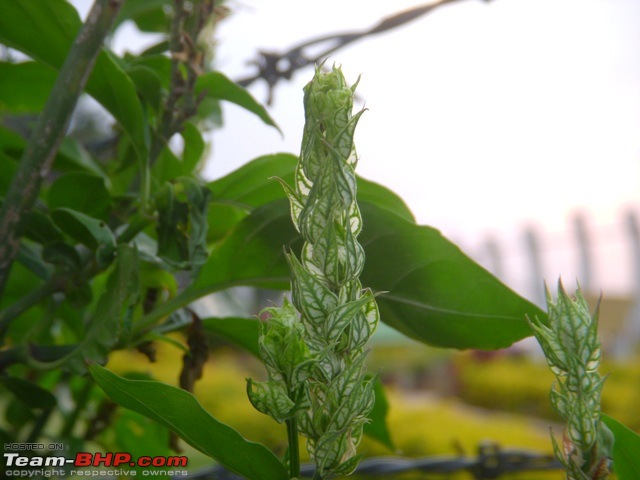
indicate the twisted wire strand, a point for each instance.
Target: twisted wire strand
{"x":490,"y":463}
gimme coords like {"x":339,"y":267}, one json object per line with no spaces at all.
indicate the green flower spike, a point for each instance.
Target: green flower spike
{"x":571,"y":346}
{"x":313,"y":348}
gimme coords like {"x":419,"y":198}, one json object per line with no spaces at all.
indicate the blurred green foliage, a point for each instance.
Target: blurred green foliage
{"x":520,"y":384}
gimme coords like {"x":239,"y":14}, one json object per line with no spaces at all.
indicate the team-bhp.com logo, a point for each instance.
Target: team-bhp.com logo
{"x":97,"y":464}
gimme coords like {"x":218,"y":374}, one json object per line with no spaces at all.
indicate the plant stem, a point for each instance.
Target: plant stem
{"x":83,"y":398}
{"x":45,"y":139}
{"x":137,"y":224}
{"x":294,"y":449}
{"x":167,"y":126}
{"x":41,"y":421}
{"x":29,"y":300}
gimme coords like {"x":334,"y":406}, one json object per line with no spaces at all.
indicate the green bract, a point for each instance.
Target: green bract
{"x":571,"y":346}
{"x":313,"y":348}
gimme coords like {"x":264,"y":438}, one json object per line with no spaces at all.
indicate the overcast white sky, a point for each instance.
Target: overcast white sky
{"x":484,"y":117}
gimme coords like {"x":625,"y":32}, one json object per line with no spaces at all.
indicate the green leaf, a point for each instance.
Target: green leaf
{"x":181,"y":412}
{"x":378,"y":428}
{"x":436,"y":294}
{"x":222,"y":217}
{"x":57,"y":23}
{"x":271,"y":398}
{"x":170,"y":166}
{"x":87,"y":230}
{"x":219,"y":87}
{"x":25,"y":87}
{"x":243,"y":332}
{"x":626,"y":450}
{"x":72,"y":157}
{"x":167,"y":167}
{"x":182,"y":225}
{"x":148,"y":15}
{"x":31,"y":394}
{"x":249,"y":186}
{"x":140,"y":436}
{"x":31,"y":257}
{"x":382,"y":197}
{"x":83,"y":192}
{"x":194,"y":147}
{"x":59,"y":253}
{"x":148,"y":83}
{"x":253,"y":254}
{"x":41,"y":228}
{"x":113,"y":311}
{"x":253,"y":185}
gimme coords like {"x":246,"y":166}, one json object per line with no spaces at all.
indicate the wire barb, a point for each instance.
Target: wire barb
{"x":274,"y":67}
{"x":491,"y":462}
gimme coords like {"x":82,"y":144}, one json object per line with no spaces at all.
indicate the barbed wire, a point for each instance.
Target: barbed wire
{"x":274,"y":67}
{"x":491,"y":462}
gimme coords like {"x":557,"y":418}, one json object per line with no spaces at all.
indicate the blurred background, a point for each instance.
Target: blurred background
{"x":510,"y":125}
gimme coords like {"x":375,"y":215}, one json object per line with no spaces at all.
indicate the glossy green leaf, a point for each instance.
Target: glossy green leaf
{"x":87,"y":230}
{"x":29,"y":393}
{"x":626,"y":450}
{"x":41,"y":228}
{"x":63,"y":254}
{"x":182,"y":226}
{"x":383,"y":198}
{"x":250,"y":186}
{"x":84,"y":192}
{"x":148,"y":15}
{"x":253,"y":254}
{"x":140,"y":436}
{"x":73,"y":157}
{"x":222,"y":217}
{"x":181,"y":412}
{"x":243,"y":332}
{"x":148,"y":83}
{"x":436,"y":294}
{"x":112,"y":313}
{"x":377,"y":428}
{"x":30,"y":256}
{"x":167,"y":167}
{"x":25,"y":87}
{"x":219,"y":87}
{"x":194,"y":147}
{"x":11,"y":142}
{"x":57,"y":23}
{"x":159,"y":64}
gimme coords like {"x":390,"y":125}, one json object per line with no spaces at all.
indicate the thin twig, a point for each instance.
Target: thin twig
{"x":48,"y":133}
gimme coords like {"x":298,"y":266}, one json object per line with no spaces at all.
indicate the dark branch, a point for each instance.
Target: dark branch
{"x":45,"y":139}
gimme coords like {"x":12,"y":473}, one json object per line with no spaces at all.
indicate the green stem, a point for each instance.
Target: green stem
{"x":41,"y":421}
{"x":137,"y":224}
{"x":192,"y":294}
{"x":29,"y":300}
{"x":167,"y":126}
{"x":45,"y":139}
{"x":83,"y":398}
{"x":294,"y":449}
